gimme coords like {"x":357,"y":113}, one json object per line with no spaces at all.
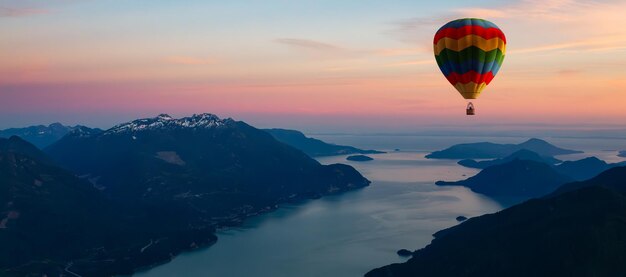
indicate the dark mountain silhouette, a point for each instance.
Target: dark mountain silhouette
{"x":522,"y":154}
{"x":518,"y":178}
{"x":49,"y":217}
{"x":578,"y":231}
{"x":41,"y":135}
{"x":585,"y":168}
{"x":15,"y":144}
{"x":151,"y":188}
{"x":612,"y":179}
{"x":487,"y":150}
{"x":44,"y":210}
{"x":214,"y":167}
{"x":314,"y":147}
{"x":622,"y":154}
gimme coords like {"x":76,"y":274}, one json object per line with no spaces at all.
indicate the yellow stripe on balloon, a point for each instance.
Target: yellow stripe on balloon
{"x":470,"y":40}
{"x":470,"y":90}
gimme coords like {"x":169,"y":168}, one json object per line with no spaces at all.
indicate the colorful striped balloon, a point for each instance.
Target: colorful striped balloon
{"x":469,"y":52}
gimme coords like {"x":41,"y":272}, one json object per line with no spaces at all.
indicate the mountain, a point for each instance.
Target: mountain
{"x":185,"y":177}
{"x":622,"y":154}
{"x":15,"y":144}
{"x":522,"y":154}
{"x":518,"y":178}
{"x":576,"y":232}
{"x":314,"y":147}
{"x":488,"y":150}
{"x":221,"y":167}
{"x":40,"y":135}
{"x":612,"y":178}
{"x":584,"y":169}
{"x":52,"y":221}
{"x":149,"y":189}
{"x":43,"y":208}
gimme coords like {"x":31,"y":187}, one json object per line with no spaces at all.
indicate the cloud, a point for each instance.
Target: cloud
{"x":186,"y":60}
{"x":545,"y":10}
{"x":394,"y":52}
{"x":597,"y":44}
{"x":412,"y":62}
{"x":308,"y":44}
{"x":21,"y":12}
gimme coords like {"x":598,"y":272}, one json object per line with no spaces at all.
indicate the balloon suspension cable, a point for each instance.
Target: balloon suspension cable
{"x":470,"y":109}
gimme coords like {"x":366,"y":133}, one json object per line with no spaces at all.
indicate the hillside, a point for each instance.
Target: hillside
{"x":49,"y":217}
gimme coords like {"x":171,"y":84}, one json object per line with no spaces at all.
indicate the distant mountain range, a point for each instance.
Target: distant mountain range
{"x":488,"y":150}
{"x":149,"y":189}
{"x":579,"y":230}
{"x":314,"y":147}
{"x":41,"y":135}
{"x":622,"y":154}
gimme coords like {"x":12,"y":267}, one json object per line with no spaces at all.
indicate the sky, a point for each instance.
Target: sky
{"x":315,"y":65}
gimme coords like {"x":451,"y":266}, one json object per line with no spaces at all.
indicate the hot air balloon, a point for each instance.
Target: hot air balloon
{"x":469,"y":52}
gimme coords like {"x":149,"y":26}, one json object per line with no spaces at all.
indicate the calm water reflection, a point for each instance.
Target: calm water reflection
{"x":349,"y":234}
{"x":342,"y":235}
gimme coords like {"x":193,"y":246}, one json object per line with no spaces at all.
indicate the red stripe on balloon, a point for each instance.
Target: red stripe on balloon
{"x":471,"y":76}
{"x":457,"y":33}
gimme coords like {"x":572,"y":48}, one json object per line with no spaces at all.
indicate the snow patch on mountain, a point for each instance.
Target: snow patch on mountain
{"x":164,"y":121}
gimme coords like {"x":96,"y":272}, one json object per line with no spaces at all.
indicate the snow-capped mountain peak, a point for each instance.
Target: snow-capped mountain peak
{"x":205,"y":120}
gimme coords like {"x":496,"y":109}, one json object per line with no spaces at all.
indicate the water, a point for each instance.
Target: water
{"x":352,"y":233}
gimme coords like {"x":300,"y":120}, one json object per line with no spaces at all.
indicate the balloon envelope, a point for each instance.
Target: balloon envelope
{"x":469,"y":52}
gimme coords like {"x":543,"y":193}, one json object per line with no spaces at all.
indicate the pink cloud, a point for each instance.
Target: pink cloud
{"x":186,"y":60}
{"x":308,"y":44}
{"x":20,"y":12}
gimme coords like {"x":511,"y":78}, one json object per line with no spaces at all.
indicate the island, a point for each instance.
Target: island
{"x":622,"y":154}
{"x":404,"y":253}
{"x":520,"y":179}
{"x":314,"y":147}
{"x":359,"y":158}
{"x":576,"y":229}
{"x":461,"y":218}
{"x":522,"y":154}
{"x":488,"y":150}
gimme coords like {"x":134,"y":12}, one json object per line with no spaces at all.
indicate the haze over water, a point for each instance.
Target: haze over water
{"x":352,"y":233}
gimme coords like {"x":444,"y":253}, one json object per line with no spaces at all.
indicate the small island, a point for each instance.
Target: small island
{"x":359,"y":158}
{"x":461,"y":218}
{"x":622,"y":154}
{"x":404,"y":253}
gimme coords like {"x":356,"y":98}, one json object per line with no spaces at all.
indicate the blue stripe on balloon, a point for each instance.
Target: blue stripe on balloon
{"x":469,"y":65}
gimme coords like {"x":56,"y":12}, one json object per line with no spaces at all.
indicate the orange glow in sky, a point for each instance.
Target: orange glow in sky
{"x":100,"y":62}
